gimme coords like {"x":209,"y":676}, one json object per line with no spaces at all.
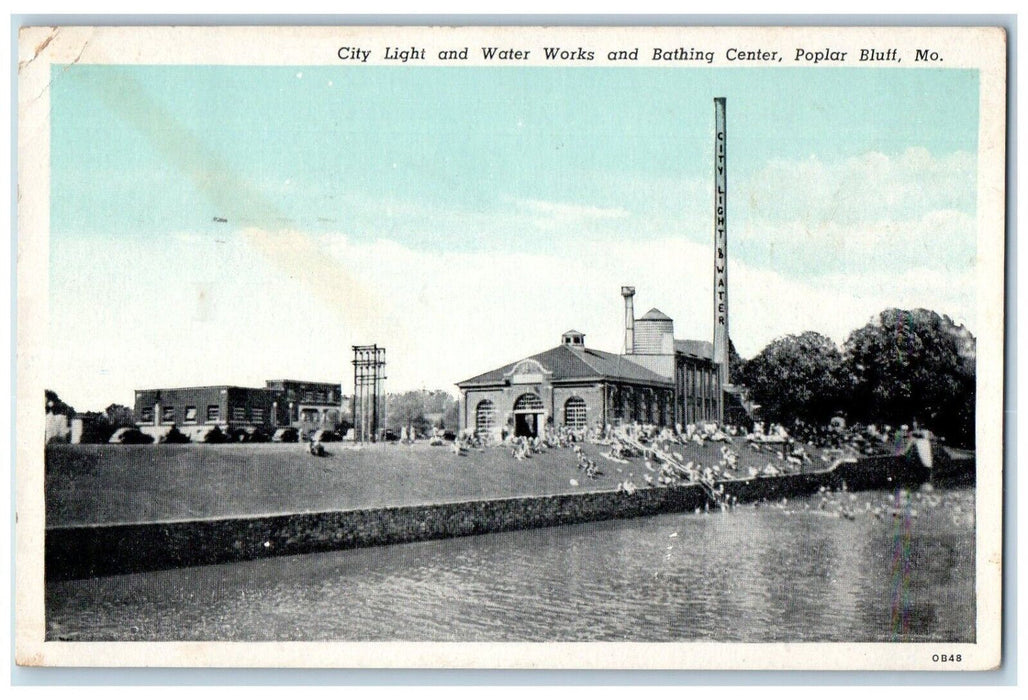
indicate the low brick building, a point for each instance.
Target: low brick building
{"x":282,"y":403}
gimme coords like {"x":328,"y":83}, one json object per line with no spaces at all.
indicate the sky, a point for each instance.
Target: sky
{"x":227,"y":225}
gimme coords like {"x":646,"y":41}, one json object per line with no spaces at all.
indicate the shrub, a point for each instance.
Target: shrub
{"x":215,"y":436}
{"x":175,"y":437}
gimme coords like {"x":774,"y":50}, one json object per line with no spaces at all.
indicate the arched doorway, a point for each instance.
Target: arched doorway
{"x":529,"y":414}
{"x":574,"y":412}
{"x":485,"y":416}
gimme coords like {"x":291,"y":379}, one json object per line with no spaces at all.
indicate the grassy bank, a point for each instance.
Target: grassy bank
{"x":140,"y":483}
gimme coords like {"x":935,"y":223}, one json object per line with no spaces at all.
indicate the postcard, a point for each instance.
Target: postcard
{"x":510,"y":347}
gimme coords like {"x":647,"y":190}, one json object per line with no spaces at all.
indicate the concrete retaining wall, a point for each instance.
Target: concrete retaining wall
{"x":97,"y":550}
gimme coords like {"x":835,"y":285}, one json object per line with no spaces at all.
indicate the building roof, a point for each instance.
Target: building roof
{"x":566,"y":363}
{"x":269,"y":386}
{"x":654,"y":314}
{"x":300,"y":381}
{"x":696,"y":348}
{"x":199,"y":388}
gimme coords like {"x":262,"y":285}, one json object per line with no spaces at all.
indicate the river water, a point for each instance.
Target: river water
{"x":873,"y":566}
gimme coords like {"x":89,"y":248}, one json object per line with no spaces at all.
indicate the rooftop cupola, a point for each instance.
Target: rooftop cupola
{"x":573,"y":339}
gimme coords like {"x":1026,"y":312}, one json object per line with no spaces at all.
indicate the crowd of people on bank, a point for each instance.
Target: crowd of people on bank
{"x":804,"y":448}
{"x":857,"y":438}
{"x":659,"y":447}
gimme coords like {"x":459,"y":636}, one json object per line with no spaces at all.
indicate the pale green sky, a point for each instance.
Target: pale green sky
{"x":833,"y":173}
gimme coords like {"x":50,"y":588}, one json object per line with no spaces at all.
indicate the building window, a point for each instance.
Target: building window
{"x":239,"y":413}
{"x":485,"y":416}
{"x":528,"y":402}
{"x":190,"y":416}
{"x":168,"y":414}
{"x":213,"y":413}
{"x":146,"y":414}
{"x":257,"y":414}
{"x":574,"y":412}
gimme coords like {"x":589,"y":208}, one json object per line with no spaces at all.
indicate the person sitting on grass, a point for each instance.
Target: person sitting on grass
{"x":521,"y":450}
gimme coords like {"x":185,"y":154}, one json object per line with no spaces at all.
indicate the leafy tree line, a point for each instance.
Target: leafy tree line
{"x":421,"y":411}
{"x":904,"y":367}
{"x":97,"y":426}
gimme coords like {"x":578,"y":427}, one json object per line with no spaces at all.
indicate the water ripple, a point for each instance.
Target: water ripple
{"x":824,"y":568}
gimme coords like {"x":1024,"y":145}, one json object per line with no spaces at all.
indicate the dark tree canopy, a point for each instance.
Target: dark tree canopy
{"x":735,"y":364}
{"x":796,"y":377}
{"x":904,"y":367}
{"x":914,"y":366}
{"x":56,"y":406}
{"x":412,"y":409}
{"x":119,"y":416}
{"x":451,"y":417}
{"x":406,"y":410}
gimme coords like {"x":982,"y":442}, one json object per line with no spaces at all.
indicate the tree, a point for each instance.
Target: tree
{"x":797,"y":377}
{"x":175,"y":437}
{"x":57,"y":407}
{"x":735,"y":364}
{"x":451,"y":416}
{"x":914,"y":366}
{"x":119,"y":416}
{"x":406,"y":410}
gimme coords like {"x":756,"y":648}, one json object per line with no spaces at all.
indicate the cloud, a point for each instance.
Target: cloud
{"x":193,"y":311}
{"x":452,"y":291}
{"x":860,"y":190}
{"x":804,"y":217}
{"x":563,"y":212}
{"x":940,"y":240}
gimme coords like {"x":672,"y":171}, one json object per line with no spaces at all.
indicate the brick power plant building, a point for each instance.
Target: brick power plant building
{"x":658,"y":379}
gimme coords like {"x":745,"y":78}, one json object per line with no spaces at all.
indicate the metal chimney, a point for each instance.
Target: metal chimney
{"x":629,"y":293}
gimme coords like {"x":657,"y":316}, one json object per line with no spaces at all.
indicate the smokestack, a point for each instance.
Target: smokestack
{"x":629,"y":293}
{"x":720,"y":246}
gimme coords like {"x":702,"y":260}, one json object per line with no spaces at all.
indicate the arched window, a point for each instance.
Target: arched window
{"x":485,"y":416}
{"x":574,"y":412}
{"x":528,"y":402}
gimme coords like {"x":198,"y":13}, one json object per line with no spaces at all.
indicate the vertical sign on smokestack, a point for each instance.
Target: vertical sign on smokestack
{"x":720,"y":250}
{"x":628,"y":293}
